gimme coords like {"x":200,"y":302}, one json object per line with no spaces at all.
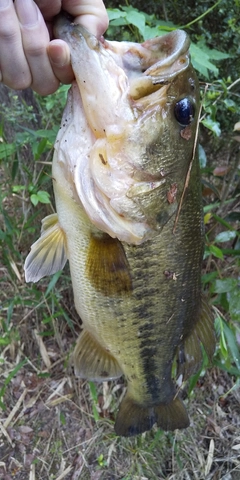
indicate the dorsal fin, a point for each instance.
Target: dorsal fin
{"x":189,"y":354}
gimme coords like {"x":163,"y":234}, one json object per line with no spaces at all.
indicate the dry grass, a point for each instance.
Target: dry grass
{"x":49,"y":431}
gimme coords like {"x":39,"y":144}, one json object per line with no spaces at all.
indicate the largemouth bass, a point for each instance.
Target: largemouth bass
{"x":129,"y":220}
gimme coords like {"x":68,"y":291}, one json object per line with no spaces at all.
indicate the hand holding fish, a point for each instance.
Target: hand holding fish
{"x":27,"y":56}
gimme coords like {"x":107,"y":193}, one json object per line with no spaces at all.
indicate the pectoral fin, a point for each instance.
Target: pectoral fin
{"x":190,"y":352}
{"x":107,"y":266}
{"x":48,"y":253}
{"x":92,"y":361}
{"x":133,"y":419}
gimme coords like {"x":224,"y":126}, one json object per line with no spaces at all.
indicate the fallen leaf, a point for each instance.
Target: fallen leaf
{"x":237,"y":126}
{"x":221,"y":171}
{"x":25,"y":429}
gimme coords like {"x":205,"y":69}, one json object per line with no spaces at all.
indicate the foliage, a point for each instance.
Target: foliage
{"x":215,"y":23}
{"x":143,"y":26}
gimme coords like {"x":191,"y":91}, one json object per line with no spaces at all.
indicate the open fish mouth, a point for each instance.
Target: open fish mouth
{"x":159,"y":59}
{"x":121,"y":90}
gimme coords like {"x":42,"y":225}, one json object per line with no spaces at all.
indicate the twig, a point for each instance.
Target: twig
{"x":190,"y":165}
{"x":15,"y":409}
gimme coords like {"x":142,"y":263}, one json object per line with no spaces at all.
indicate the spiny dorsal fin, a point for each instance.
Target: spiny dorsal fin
{"x":107,"y":266}
{"x":92,"y":361}
{"x":48,"y":253}
{"x":190,"y":353}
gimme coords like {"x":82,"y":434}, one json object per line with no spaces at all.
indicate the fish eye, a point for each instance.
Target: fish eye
{"x":184,"y":111}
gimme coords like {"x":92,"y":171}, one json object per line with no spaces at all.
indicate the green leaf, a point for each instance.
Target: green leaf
{"x":209,"y":277}
{"x":15,"y":167}
{"x":212,"y":125}
{"x":119,"y":22}
{"x":234,"y":303}
{"x":44,"y":375}
{"x":3,"y":235}
{"x":62,"y":418}
{"x":8,"y":380}
{"x":231,"y":251}
{"x":6,"y":150}
{"x":114,"y":13}
{"x":151,"y":32}
{"x":202,"y":156}
{"x":43,"y":197}
{"x":46,"y":333}
{"x":41,"y":147}
{"x":18,"y":188}
{"x":225,"y":236}
{"x":231,"y":370}
{"x":221,"y":220}
{"x":225,"y":285}
{"x":137,"y":19}
{"x":200,"y":60}
{"x":232,"y":344}
{"x":34,"y":199}
{"x":53,"y":282}
{"x":217,"y":252}
{"x":215,"y":54}
{"x":223,"y":346}
{"x":94,"y":396}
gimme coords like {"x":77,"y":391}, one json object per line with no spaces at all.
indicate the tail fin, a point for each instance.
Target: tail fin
{"x":133,"y":418}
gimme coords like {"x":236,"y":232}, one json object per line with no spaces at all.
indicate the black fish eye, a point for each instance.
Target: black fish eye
{"x":184,"y":111}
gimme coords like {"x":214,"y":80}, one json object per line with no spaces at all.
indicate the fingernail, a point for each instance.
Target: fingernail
{"x":4,"y":4}
{"x":27,"y":12}
{"x":58,"y":55}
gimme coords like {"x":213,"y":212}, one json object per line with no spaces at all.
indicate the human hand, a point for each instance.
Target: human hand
{"x":27,"y":56}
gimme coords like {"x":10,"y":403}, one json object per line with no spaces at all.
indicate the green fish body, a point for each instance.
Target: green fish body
{"x":129,"y":220}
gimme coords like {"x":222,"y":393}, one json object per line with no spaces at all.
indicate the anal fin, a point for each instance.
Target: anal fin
{"x":48,"y":253}
{"x":134,"y":419}
{"x":92,"y":361}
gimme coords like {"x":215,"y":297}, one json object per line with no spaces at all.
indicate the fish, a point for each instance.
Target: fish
{"x":129,"y":220}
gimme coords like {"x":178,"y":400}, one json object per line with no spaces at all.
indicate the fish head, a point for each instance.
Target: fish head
{"x":140,"y":102}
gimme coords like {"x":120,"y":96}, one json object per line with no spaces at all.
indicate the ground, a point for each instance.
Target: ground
{"x":54,"y":426}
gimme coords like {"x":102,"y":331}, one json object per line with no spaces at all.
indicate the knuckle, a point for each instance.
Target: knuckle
{"x":34,"y":50}
{"x":17,"y":82}
{"x":8,"y":35}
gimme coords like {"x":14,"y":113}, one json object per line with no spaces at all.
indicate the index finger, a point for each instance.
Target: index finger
{"x":91,"y":14}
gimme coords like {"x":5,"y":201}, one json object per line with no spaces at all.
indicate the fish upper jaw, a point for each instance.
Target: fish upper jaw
{"x":125,"y":106}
